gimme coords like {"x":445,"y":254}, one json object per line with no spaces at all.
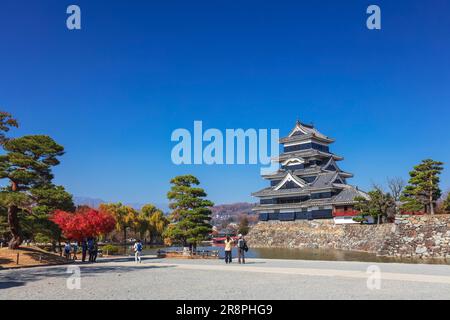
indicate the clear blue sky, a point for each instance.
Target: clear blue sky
{"x":113,"y":92}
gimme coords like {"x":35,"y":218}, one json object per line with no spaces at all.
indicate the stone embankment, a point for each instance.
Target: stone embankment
{"x":415,"y":237}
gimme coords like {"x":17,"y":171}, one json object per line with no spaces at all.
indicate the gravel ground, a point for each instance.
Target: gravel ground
{"x":212,"y":279}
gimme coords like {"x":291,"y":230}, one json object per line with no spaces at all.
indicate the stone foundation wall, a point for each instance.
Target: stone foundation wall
{"x":420,"y":236}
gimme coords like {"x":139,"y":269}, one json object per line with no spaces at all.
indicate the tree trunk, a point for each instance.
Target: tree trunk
{"x":150,"y":238}
{"x":125,"y":236}
{"x":60,"y":247}
{"x":14,"y":227}
{"x":431,"y":203}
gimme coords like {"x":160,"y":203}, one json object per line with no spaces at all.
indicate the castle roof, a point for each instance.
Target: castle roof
{"x":349,"y":193}
{"x":290,"y":177}
{"x":345,"y":197}
{"x":324,"y":181}
{"x":308,"y":153}
{"x":330,"y":166}
{"x":303,"y":131}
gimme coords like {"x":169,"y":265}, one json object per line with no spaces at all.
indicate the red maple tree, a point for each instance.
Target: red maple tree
{"x":84,"y":223}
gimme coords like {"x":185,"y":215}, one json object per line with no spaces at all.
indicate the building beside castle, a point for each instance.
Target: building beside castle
{"x":309,"y":184}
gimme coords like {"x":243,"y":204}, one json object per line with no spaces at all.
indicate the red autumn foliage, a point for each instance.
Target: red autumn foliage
{"x":84,"y":223}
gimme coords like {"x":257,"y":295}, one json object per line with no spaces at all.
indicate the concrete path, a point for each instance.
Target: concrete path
{"x":212,"y":279}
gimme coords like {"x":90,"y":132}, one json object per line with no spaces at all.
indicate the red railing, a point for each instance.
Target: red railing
{"x":413,"y":213}
{"x":222,"y":239}
{"x":348,"y":213}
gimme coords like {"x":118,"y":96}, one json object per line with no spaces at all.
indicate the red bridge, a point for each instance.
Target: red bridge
{"x":221,"y":240}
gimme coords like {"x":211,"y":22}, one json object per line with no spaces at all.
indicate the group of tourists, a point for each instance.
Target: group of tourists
{"x":242,"y":248}
{"x":89,"y":248}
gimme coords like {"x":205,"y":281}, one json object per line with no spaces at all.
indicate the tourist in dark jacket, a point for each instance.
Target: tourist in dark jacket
{"x":95,"y":251}
{"x":90,"y":245}
{"x":242,"y":247}
{"x":75,"y":250}
{"x":84,"y":248}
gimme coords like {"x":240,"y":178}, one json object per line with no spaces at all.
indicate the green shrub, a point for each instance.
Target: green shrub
{"x":110,"y":249}
{"x":42,"y":238}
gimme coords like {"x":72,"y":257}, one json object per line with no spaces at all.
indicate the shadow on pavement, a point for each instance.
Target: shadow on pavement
{"x":255,"y":262}
{"x":10,"y":284}
{"x":20,"y":277}
{"x":123,"y":259}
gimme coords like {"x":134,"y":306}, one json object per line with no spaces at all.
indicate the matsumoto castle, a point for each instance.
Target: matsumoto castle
{"x":309,"y":184}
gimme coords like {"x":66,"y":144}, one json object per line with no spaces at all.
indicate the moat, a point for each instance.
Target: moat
{"x":306,"y":254}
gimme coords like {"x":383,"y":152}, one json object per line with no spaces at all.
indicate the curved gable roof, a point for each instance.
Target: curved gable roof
{"x":333,"y":163}
{"x":290,"y":177}
{"x":301,"y":128}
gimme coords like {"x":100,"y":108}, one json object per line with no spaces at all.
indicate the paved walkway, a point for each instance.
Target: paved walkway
{"x":211,"y":279}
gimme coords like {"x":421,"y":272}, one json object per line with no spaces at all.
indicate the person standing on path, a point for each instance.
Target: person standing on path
{"x":84,"y":248}
{"x":90,"y":247}
{"x":138,"y":251}
{"x":75,"y":250}
{"x":228,"y":247}
{"x":242,"y":248}
{"x":95,"y":251}
{"x":67,"y":250}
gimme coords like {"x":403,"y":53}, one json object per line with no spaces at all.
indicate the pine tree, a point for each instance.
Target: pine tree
{"x":46,"y":201}
{"x":27,"y":166}
{"x":379,"y":205}
{"x":6,"y":123}
{"x":423,"y":189}
{"x":4,"y":228}
{"x":190,"y":212}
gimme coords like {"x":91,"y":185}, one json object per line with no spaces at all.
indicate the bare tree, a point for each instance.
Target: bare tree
{"x":396,"y":186}
{"x":377,"y":186}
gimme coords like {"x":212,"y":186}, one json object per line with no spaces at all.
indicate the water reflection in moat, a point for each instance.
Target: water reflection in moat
{"x":302,"y":254}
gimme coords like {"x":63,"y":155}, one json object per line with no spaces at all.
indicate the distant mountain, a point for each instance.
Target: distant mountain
{"x":162,"y":206}
{"x":86,"y":201}
{"x":232,"y":210}
{"x":219,"y":212}
{"x":224,"y":215}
